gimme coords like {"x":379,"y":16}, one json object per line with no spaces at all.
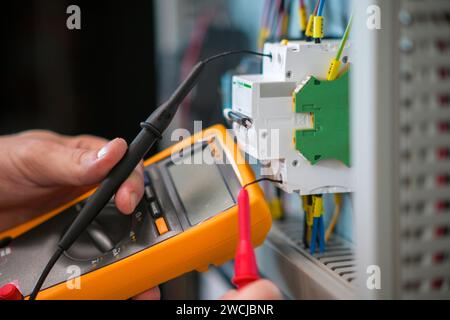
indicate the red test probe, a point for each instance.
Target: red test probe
{"x":245,"y":268}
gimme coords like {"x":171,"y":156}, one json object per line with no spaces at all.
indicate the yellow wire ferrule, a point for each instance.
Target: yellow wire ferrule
{"x":276,"y":208}
{"x":333,"y":71}
{"x":309,"y":218}
{"x":317,"y":206}
{"x":263,"y":35}
{"x":318,"y":27}
{"x":305,"y":203}
{"x":308,"y":211}
{"x":303,"y":18}
{"x":310,"y":26}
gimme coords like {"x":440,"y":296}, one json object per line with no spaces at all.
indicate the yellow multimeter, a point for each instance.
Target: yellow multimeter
{"x":186,"y":221}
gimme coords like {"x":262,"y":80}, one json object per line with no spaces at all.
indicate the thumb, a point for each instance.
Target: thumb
{"x":82,"y":167}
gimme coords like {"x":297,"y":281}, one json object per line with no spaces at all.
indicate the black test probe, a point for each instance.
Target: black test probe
{"x":152,"y":130}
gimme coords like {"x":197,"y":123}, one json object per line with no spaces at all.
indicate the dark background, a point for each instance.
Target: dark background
{"x":98,"y":80}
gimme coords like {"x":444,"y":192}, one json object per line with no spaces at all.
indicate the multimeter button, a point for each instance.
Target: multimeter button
{"x":161,"y":226}
{"x":149,"y":193}
{"x":99,"y":237}
{"x":147,"y":180}
{"x":154,"y":210}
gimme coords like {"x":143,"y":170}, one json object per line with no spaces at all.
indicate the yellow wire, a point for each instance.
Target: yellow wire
{"x":334,"y":218}
{"x":335,"y":64}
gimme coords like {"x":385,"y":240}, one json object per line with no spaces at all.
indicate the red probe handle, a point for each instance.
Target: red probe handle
{"x":10,"y":292}
{"x":245,"y":268}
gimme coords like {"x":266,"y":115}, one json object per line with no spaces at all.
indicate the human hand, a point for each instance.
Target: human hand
{"x":41,"y":170}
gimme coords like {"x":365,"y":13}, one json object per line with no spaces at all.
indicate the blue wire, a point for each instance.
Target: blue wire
{"x":320,"y":10}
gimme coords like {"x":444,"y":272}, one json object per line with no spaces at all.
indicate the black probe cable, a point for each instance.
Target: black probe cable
{"x":260,"y":180}
{"x":152,"y":130}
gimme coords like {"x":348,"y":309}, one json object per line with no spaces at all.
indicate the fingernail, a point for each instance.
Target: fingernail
{"x":133,"y":200}
{"x":103,"y":151}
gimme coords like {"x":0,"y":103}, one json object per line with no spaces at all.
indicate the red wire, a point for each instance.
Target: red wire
{"x":281,"y":13}
{"x":317,"y":7}
{"x":266,"y":14}
{"x":273,"y":18}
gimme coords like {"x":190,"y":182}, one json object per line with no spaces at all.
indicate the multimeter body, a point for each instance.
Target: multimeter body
{"x":186,"y":221}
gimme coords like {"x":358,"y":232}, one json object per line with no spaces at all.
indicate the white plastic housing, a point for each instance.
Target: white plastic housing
{"x":267,"y":100}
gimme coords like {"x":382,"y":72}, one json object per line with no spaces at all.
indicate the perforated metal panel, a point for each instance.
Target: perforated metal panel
{"x":424,"y":144}
{"x":338,"y":258}
{"x":402,"y":110}
{"x":300,"y":275}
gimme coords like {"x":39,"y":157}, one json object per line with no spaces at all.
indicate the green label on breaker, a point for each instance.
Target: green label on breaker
{"x":242,"y":84}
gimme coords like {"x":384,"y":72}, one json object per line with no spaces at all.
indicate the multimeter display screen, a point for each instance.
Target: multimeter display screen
{"x":201,"y":189}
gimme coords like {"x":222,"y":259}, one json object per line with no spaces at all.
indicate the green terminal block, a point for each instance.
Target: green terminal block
{"x":328,"y":103}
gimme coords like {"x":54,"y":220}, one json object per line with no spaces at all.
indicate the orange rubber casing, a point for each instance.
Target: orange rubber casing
{"x":213,"y":241}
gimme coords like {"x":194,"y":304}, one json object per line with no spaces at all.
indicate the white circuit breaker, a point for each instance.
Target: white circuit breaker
{"x":271,"y":119}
